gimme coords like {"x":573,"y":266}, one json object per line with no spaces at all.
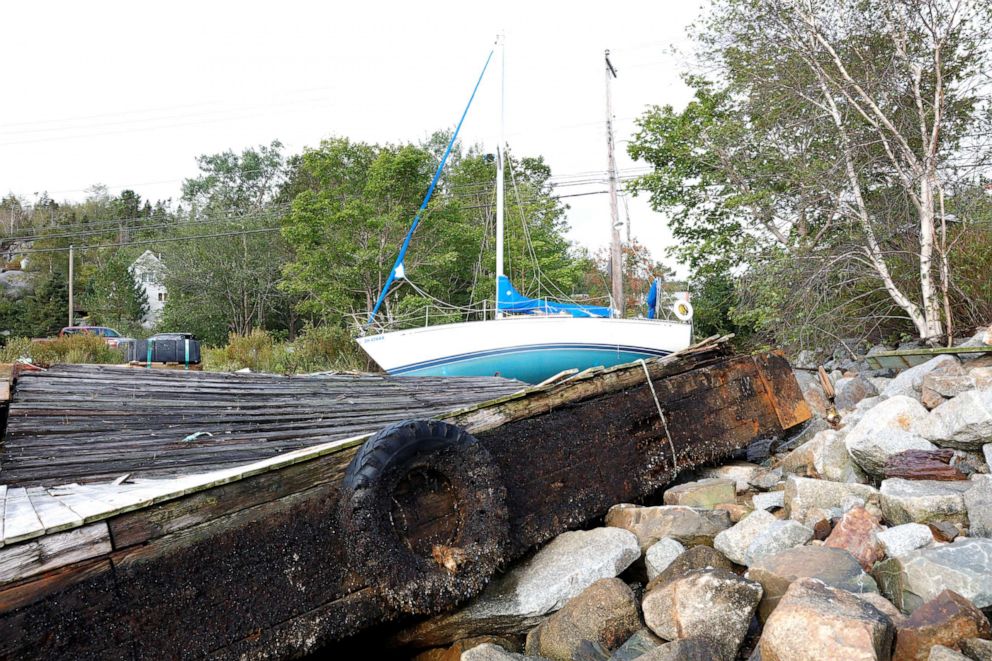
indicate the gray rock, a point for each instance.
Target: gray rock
{"x":815,"y":621}
{"x":16,"y":284}
{"x":910,"y":382}
{"x":697,"y":648}
{"x":740,"y":472}
{"x":893,"y":426}
{"x":803,"y":495}
{"x":661,"y":554}
{"x":948,"y":385}
{"x":963,"y":422}
{"x":705,"y":493}
{"x":712,"y":603}
{"x":688,"y":525}
{"x":852,"y":391}
{"x":636,"y":646}
{"x":964,"y":566}
{"x":766,"y":478}
{"x":982,"y":338}
{"x":735,"y":541}
{"x":806,"y":360}
{"x":987,"y":453}
{"x":520,"y":598}
{"x":492,"y":652}
{"x":832,"y":461}
{"x":778,"y":536}
{"x":941,"y":653}
{"x":978,"y":503}
{"x":900,"y":540}
{"x":769,"y":500}
{"x":977,"y":649}
{"x":923,"y":501}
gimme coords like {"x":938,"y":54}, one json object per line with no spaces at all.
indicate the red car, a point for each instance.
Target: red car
{"x":110,"y":336}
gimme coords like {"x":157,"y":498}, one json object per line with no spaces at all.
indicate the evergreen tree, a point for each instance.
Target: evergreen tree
{"x":114,"y":297}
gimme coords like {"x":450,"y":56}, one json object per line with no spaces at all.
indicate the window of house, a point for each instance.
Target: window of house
{"x":163,"y":296}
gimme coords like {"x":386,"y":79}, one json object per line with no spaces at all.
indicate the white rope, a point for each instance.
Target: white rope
{"x":661,"y":414}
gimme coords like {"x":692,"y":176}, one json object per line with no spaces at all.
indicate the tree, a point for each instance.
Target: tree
{"x":113,"y":297}
{"x":824,"y":128}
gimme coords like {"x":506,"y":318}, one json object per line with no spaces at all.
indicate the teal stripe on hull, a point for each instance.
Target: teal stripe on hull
{"x":530,"y":366}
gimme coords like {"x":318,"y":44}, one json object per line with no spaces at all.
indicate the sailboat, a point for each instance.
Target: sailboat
{"x":529,"y":339}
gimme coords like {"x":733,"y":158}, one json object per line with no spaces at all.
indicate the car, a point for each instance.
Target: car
{"x":110,"y":336}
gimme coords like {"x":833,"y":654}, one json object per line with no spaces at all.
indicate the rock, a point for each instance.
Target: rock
{"x":909,"y":382}
{"x":738,"y":471}
{"x":900,"y":540}
{"x":661,"y":554}
{"x":852,"y":391}
{"x":948,"y":385}
{"x":982,"y":375}
{"x":712,"y":603}
{"x":944,"y":620}
{"x":806,"y":360}
{"x":987,"y":453}
{"x":454,"y":653}
{"x":941,"y":653}
{"x":803,"y":495}
{"x":734,"y":542}
{"x":760,"y":450}
{"x":883,"y":605}
{"x":637,"y":645}
{"x":981,"y":338}
{"x":923,"y":501}
{"x":766,"y":479}
{"x":769,"y":500}
{"x":943,"y":531}
{"x":491,"y":652}
{"x":963,"y":422}
{"x":832,"y":461}
{"x":696,"y":648}
{"x":834,"y":567}
{"x":697,"y":557}
{"x":778,"y":536}
{"x":702,"y":493}
{"x":976,"y":649}
{"x":688,"y":525}
{"x":922,"y":465}
{"x":520,"y":598}
{"x":894,"y":426}
{"x":880,"y":383}
{"x":604,"y":613}
{"x":815,"y":621}
{"x":855,"y":533}
{"x":815,"y":398}
{"x":964,"y":566}
{"x":978,"y":503}
{"x":802,"y":434}
{"x":735,"y":510}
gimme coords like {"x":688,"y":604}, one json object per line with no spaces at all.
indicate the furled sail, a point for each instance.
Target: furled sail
{"x":510,"y":300}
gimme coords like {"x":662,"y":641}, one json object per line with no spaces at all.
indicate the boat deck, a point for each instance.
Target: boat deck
{"x":98,"y":423}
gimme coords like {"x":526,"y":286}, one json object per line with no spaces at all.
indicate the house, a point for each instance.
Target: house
{"x":149,"y":272}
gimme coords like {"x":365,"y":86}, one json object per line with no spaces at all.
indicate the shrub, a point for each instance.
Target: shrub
{"x":318,"y":349}
{"x":78,"y":349}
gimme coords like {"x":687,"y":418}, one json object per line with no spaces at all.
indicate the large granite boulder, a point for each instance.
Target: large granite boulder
{"x":893,"y":426}
{"x":897,"y":541}
{"x":711,"y":603}
{"x":832,"y":461}
{"x":923,"y":501}
{"x":815,"y":621}
{"x":779,"y":536}
{"x":605,"y":613}
{"x":697,"y":557}
{"x":734,"y":541}
{"x":520,"y":598}
{"x":635,"y":647}
{"x":947,"y":619}
{"x":964,"y":566}
{"x":688,"y":525}
{"x":856,"y":534}
{"x":697,"y":648}
{"x":963,"y":422}
{"x":909,"y":383}
{"x":705,"y":493}
{"x":834,"y":567}
{"x":803,"y":495}
{"x":493,"y":652}
{"x":740,"y":472}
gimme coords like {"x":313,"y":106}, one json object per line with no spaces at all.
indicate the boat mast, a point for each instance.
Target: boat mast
{"x":500,"y":40}
{"x":616,"y":254}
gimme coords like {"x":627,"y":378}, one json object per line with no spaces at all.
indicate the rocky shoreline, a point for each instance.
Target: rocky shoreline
{"x":869,"y":538}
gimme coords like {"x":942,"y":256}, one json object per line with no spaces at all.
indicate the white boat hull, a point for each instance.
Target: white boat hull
{"x":530,"y":349}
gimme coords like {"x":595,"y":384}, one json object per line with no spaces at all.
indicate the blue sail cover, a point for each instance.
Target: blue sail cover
{"x":653,"y":297}
{"x":510,"y":300}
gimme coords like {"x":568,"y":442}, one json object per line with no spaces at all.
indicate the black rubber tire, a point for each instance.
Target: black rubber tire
{"x":417,"y":583}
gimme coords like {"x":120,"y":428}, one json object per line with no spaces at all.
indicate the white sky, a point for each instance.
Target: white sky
{"x":128,"y":93}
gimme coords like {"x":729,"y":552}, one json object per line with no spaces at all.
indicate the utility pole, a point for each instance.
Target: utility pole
{"x":616,"y":253}
{"x":71,"y":259}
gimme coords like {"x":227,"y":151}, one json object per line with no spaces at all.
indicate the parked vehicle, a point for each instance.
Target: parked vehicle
{"x":111,"y":337}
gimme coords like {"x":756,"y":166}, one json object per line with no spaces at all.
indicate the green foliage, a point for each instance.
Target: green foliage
{"x":114,"y":298}
{"x":85,"y":349}
{"x":318,"y":349}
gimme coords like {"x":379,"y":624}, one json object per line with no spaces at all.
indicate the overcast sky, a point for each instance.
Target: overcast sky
{"x":127,"y":94}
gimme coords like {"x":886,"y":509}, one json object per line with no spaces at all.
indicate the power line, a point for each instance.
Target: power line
{"x":32,"y":251}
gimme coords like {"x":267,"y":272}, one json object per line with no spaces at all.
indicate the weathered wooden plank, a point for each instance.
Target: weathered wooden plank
{"x":33,"y":557}
{"x":53,"y":514}
{"x":21,"y":593}
{"x":19,"y":519}
{"x":85,"y":507}
{"x":3,"y":499}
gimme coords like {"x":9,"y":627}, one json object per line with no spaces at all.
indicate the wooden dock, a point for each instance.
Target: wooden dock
{"x":262,"y":560}
{"x":76,"y":423}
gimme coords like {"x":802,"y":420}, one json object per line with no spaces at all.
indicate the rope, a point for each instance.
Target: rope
{"x":661,"y":414}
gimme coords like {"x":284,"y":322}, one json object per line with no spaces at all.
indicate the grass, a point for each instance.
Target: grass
{"x":318,"y":349}
{"x":69,"y":349}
